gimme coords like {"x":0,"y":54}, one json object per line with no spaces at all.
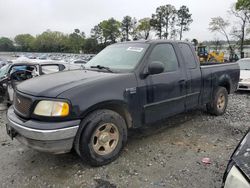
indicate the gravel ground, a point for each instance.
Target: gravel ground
{"x":166,"y":154}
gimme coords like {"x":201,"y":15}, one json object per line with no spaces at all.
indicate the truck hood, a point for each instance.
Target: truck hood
{"x":53,"y":85}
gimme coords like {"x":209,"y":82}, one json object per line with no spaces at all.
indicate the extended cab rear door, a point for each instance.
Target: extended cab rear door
{"x":193,"y":74}
{"x":165,"y":92}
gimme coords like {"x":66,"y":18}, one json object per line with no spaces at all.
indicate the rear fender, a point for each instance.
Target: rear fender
{"x":225,"y":81}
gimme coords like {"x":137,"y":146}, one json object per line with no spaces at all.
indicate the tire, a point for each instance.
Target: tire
{"x":219,"y":102}
{"x":103,"y":138}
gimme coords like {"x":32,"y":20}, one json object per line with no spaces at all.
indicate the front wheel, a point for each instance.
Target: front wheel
{"x":103,"y":138}
{"x":219,"y":102}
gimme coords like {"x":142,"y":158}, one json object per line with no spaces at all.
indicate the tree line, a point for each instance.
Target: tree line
{"x":166,"y":23}
{"x":234,"y":31}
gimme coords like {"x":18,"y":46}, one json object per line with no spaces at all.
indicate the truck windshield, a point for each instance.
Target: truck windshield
{"x":119,"y":57}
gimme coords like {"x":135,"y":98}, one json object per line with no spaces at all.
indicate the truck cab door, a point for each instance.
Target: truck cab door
{"x":166,"y":91}
{"x":193,"y":75}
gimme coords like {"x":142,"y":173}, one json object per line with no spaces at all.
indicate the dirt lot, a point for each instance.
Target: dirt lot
{"x":162,"y":155}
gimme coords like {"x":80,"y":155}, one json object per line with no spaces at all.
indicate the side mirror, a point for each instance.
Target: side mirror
{"x":155,"y":67}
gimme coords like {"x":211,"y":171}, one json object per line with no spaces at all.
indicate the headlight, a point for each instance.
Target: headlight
{"x":236,"y":179}
{"x":52,"y":109}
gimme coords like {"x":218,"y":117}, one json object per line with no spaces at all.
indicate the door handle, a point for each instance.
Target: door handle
{"x":181,"y":81}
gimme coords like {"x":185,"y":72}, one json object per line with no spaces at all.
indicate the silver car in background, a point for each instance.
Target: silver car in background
{"x":244,"y":83}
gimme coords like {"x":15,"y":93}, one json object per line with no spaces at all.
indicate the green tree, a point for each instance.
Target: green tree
{"x":247,"y":42}
{"x":52,"y":41}
{"x":91,"y":46}
{"x":170,"y":18}
{"x":107,"y":31}
{"x":6,"y":44}
{"x":239,"y":32}
{"x":25,"y":42}
{"x":76,"y":40}
{"x":144,"y":28}
{"x":243,"y":5}
{"x":157,"y":21}
{"x":163,"y":21}
{"x":110,"y":29}
{"x":96,"y":33}
{"x":184,"y":19}
{"x":218,"y":24}
{"x":78,"y":32}
{"x":126,"y":27}
{"x":134,"y":31}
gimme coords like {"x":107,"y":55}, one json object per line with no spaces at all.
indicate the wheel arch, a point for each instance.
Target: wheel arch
{"x":226,"y":82}
{"x":117,"y":106}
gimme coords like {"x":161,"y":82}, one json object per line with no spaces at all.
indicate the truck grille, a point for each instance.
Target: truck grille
{"x":22,"y":105}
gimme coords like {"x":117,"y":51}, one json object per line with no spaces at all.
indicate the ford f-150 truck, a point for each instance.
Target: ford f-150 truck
{"x":127,"y":85}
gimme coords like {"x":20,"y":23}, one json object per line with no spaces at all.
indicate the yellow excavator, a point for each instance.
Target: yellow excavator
{"x":212,"y":57}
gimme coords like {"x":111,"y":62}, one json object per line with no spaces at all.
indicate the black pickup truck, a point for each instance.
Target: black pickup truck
{"x":127,"y":85}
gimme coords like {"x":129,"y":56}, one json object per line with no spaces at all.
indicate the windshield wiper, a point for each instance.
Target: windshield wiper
{"x":101,"y":67}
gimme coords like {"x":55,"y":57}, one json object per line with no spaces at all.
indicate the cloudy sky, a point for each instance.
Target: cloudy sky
{"x":36,"y":16}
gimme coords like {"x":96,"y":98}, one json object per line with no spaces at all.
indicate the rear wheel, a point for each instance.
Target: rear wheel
{"x":219,"y":102}
{"x":103,"y":138}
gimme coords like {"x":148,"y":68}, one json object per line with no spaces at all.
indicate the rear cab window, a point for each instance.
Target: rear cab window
{"x":188,"y":56}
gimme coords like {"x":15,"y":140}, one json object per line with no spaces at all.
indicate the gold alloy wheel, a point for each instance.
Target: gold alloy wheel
{"x":221,"y":102}
{"x":105,"y":139}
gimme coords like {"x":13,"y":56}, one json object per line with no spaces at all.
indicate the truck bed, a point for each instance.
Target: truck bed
{"x":213,"y":74}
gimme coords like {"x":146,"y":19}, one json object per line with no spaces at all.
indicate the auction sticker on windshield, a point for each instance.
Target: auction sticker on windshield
{"x":135,"y":49}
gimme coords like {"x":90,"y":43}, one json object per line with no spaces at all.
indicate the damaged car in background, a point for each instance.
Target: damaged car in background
{"x":3,"y":62}
{"x":237,"y":174}
{"x":244,"y":83}
{"x":17,"y":72}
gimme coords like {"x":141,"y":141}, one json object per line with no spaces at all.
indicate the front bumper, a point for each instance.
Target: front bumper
{"x":57,"y":140}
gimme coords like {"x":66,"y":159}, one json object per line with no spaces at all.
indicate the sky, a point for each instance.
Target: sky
{"x":36,"y":16}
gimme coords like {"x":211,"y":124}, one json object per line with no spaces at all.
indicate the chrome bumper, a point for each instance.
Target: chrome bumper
{"x":52,"y":141}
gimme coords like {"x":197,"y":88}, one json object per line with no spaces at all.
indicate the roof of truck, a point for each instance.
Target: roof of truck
{"x":154,"y":41}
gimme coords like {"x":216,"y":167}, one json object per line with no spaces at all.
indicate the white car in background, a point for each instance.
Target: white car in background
{"x":76,"y":64}
{"x":244,"y":83}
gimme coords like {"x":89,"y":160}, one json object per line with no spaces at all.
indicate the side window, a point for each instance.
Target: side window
{"x":165,"y":53}
{"x":47,"y":69}
{"x":188,"y":55}
{"x":23,"y":72}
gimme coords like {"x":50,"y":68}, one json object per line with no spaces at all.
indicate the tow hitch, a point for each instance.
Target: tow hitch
{"x":10,"y":131}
